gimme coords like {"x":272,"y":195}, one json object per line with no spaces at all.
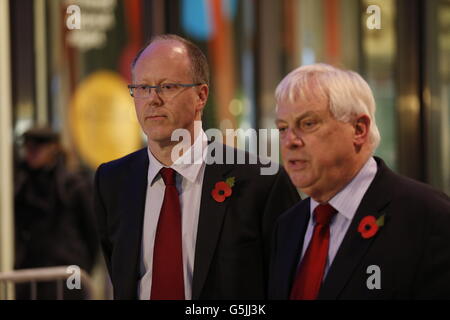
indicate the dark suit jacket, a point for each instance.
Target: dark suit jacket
{"x":412,"y":249}
{"x":233,"y":238}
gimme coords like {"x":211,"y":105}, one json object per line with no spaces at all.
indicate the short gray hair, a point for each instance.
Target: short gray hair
{"x":347,"y":93}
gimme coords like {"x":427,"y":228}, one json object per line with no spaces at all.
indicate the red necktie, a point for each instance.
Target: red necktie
{"x":167,"y":273}
{"x":312,"y":267}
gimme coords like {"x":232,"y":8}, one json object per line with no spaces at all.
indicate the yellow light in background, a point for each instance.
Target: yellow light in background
{"x":236,"y":107}
{"x":102,"y":119}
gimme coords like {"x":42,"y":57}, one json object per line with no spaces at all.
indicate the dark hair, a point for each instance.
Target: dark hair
{"x":199,"y":63}
{"x":40,"y":135}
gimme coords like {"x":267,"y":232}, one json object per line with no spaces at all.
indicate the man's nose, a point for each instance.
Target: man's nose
{"x":153,"y":97}
{"x":292,"y":139}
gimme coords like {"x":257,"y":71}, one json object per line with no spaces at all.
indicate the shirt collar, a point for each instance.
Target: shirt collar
{"x":154,"y":166}
{"x":184,"y":165}
{"x":347,"y":201}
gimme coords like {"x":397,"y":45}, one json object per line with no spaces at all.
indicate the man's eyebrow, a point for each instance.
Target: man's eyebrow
{"x":298,"y":118}
{"x":280,"y":121}
{"x":145,"y":81}
{"x":305,"y":115}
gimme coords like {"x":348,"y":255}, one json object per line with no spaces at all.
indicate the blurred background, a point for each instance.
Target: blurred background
{"x":65,"y":66}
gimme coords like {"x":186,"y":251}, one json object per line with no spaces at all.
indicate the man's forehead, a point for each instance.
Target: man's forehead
{"x":165,"y":48}
{"x":165,"y":58}
{"x":298,"y":108}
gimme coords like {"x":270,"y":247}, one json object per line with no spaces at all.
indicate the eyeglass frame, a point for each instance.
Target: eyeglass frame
{"x":158,"y":87}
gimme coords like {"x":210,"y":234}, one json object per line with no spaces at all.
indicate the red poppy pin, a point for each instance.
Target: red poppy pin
{"x":368,"y":227}
{"x":222,"y":189}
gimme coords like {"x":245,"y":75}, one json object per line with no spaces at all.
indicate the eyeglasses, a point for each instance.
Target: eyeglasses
{"x":165,"y":91}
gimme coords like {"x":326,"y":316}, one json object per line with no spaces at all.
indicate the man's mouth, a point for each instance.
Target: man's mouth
{"x":296,"y":164}
{"x":155,"y":117}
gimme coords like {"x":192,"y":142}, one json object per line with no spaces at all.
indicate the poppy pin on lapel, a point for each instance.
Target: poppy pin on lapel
{"x":223,"y":189}
{"x":369,"y":226}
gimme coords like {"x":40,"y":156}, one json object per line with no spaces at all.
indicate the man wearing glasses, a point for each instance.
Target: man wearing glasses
{"x":176,"y":229}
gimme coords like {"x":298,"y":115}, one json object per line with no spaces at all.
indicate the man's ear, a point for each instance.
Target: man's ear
{"x":362,"y":126}
{"x":202,"y":96}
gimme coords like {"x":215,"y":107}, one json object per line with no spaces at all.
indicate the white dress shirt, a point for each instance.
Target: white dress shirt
{"x":346,"y":202}
{"x":189,"y":181}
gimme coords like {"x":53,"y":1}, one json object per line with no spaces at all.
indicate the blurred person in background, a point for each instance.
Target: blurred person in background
{"x":53,"y":212}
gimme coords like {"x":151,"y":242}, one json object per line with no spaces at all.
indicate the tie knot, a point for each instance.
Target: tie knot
{"x":168,"y":175}
{"x":324,"y":213}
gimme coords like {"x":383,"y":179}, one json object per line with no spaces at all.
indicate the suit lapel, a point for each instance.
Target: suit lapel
{"x":354,"y":246}
{"x":293,"y":245}
{"x":210,"y":221}
{"x":130,"y":234}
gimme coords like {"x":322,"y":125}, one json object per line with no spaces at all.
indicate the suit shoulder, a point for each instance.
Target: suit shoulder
{"x":417,"y":192}
{"x":124,"y":162}
{"x":420,"y":198}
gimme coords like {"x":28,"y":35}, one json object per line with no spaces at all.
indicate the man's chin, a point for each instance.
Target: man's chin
{"x":305,"y":186}
{"x":160,"y":138}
